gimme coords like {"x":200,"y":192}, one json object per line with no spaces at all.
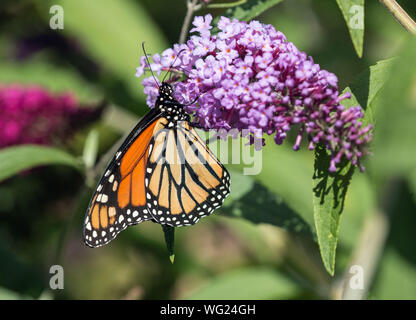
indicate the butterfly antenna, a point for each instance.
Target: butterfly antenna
{"x":177,"y":56}
{"x":148,"y":63}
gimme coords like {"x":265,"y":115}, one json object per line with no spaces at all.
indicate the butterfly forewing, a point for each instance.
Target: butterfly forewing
{"x":119,"y":199}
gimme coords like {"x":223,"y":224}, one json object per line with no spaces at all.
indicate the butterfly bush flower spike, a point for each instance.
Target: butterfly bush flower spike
{"x":248,"y":76}
{"x":33,"y":115}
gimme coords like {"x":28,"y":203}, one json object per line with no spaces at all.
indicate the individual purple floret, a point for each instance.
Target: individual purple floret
{"x":31,"y":114}
{"x":248,"y":76}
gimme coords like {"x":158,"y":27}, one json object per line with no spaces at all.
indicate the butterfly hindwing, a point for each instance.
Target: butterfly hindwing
{"x":185,"y":181}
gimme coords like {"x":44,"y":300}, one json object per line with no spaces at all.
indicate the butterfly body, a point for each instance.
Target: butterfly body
{"x":162,"y":172}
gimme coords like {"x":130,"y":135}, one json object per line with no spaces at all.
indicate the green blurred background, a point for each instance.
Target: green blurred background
{"x":261,"y":244}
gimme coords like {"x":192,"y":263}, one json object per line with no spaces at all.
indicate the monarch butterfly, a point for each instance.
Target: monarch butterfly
{"x":162,"y":172}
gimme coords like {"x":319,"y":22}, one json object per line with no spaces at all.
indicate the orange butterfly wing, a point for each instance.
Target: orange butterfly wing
{"x":119,"y":199}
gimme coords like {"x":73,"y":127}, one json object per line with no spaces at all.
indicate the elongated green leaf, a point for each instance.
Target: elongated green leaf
{"x":353,"y":12}
{"x":330,"y":189}
{"x":250,"y":9}
{"x":394,"y":141}
{"x":366,"y":87}
{"x":112,"y":32}
{"x":412,"y":182}
{"x":255,"y":283}
{"x":329,"y":195}
{"x":90,"y":151}
{"x":16,"y":159}
{"x":6,"y":294}
{"x":252,"y":201}
{"x":56,"y":79}
{"x":288,"y":174}
{"x":276,"y":192}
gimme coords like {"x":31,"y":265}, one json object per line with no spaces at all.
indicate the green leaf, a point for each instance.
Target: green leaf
{"x":16,"y":159}
{"x":394,"y":140}
{"x":269,"y":186}
{"x":250,"y":9}
{"x":112,"y":33}
{"x":353,"y":12}
{"x":412,"y":182}
{"x":251,"y":283}
{"x":89,"y":154}
{"x":366,"y":87}
{"x":57,"y":79}
{"x":252,"y":201}
{"x":6,"y":294}
{"x":287,"y":173}
{"x":330,"y":189}
{"x":329,"y":196}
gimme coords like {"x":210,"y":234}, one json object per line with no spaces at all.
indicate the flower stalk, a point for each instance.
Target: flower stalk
{"x":400,"y":15}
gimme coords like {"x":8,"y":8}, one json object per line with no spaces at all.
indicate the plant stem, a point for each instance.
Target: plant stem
{"x":400,"y":15}
{"x":226,"y":5}
{"x":192,"y":6}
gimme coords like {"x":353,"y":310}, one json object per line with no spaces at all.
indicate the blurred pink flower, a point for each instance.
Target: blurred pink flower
{"x":31,"y":114}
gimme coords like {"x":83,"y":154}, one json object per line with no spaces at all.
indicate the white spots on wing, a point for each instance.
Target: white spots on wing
{"x":94,"y":234}
{"x":120,"y":219}
{"x":111,"y":179}
{"x":135,"y":213}
{"x":107,"y":173}
{"x":103,"y":233}
{"x":104,"y":198}
{"x":100,"y":187}
{"x":115,"y":185}
{"x":99,"y":197}
{"x":88,"y":226}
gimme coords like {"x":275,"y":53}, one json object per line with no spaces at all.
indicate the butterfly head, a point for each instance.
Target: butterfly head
{"x":167,"y":104}
{"x":166,"y":91}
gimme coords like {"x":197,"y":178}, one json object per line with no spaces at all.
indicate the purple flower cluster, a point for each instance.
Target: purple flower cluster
{"x":248,"y":76}
{"x":34,"y":115}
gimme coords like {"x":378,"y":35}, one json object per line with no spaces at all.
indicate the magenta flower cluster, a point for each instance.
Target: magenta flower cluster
{"x":248,"y":76}
{"x":31,"y":114}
